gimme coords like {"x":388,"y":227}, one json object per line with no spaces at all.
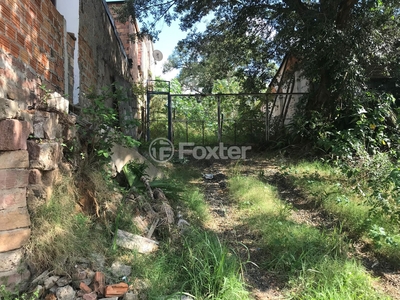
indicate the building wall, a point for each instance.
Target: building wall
{"x":102,"y":59}
{"x":39,"y":61}
{"x":286,"y":81}
{"x":31,"y":50}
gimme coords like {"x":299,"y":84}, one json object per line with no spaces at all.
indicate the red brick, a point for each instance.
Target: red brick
{"x":14,"y":239}
{"x":13,"y":198}
{"x":116,"y":290}
{"x":85,"y":288}
{"x":14,"y":50}
{"x":14,"y":134}
{"x":14,"y":218}
{"x":24,"y":29}
{"x":5,"y":43}
{"x":5,"y":11}
{"x":11,"y":33}
{"x":13,"y":178}
{"x":16,"y":19}
{"x":24,"y":55}
{"x":21,"y":39}
{"x":2,"y":26}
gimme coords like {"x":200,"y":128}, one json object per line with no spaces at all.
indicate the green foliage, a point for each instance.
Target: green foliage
{"x":312,"y":261}
{"x":61,"y":233}
{"x":210,"y":270}
{"x":106,"y":126}
{"x":133,"y":171}
{"x":5,"y":294}
{"x":346,"y":50}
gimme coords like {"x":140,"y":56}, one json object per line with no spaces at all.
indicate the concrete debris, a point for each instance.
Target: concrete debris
{"x":50,"y":282}
{"x":135,"y":242}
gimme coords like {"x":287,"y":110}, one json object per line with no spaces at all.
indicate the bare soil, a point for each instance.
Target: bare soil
{"x":225,"y":222}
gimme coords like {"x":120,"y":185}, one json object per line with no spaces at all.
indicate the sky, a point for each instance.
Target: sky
{"x":168,"y":39}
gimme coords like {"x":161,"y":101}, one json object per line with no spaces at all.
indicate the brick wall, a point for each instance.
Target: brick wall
{"x":126,"y":31}
{"x":34,"y":48}
{"x":14,"y":217}
{"x":31,"y":50}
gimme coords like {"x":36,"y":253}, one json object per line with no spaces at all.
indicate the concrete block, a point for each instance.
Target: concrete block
{"x":14,"y":239}
{"x":55,"y":102}
{"x":44,"y":156}
{"x":14,"y":218}
{"x":135,"y":242}
{"x":14,"y":159}
{"x":9,"y":109}
{"x":13,"y":198}
{"x":13,"y":178}
{"x":14,"y":134}
{"x":122,"y":155}
{"x":10,"y":260}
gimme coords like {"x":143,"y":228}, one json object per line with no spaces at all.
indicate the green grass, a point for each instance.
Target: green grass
{"x":195,"y":262}
{"x":347,"y":199}
{"x":312,"y":262}
{"x":61,"y":232}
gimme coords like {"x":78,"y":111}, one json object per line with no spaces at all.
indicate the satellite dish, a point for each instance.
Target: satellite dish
{"x":158,"y":56}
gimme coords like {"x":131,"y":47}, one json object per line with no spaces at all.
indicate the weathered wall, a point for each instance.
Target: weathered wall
{"x":31,"y":50}
{"x":30,"y":152}
{"x":102,"y":59}
{"x":37,"y":51}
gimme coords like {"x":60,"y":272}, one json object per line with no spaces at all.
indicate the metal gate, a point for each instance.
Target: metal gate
{"x":209,"y":119}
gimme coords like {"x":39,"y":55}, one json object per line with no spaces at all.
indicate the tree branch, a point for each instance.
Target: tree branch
{"x":344,"y":11}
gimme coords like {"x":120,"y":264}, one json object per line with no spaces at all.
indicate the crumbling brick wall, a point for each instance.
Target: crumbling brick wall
{"x":36,"y":90}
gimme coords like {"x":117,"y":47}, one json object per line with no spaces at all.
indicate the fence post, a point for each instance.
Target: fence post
{"x":202,"y":127}
{"x":169,"y":101}
{"x":266,"y":118}
{"x":234,"y":131}
{"x":187,"y":132}
{"x":219,"y":118}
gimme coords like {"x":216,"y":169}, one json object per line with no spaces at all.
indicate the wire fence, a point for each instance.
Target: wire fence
{"x":201,"y":132}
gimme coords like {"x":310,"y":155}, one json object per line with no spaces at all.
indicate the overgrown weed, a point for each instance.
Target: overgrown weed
{"x":303,"y":256}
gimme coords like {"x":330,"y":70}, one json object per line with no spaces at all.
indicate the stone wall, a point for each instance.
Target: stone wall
{"x":36,"y":68}
{"x":30,"y":153}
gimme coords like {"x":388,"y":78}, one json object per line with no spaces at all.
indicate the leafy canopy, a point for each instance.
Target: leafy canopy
{"x":349,"y":50}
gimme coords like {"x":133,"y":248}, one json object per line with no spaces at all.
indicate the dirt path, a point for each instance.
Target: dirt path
{"x":225,"y":222}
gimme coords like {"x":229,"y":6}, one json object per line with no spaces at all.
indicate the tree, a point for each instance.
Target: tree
{"x":339,"y":45}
